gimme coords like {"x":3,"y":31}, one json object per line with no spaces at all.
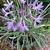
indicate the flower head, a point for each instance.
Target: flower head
{"x":36,"y":5}
{"x":37,"y":20}
{"x":8,"y":5}
{"x":21,"y":25}
{"x":11,"y":26}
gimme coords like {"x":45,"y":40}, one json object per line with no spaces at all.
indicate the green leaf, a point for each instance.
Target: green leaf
{"x":28,"y":21}
{"x":37,"y":39}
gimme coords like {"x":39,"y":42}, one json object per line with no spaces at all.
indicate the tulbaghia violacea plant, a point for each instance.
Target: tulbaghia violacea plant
{"x":24,"y":20}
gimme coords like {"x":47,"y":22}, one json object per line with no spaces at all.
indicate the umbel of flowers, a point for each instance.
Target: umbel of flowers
{"x":23,"y":12}
{"x":23,"y":17}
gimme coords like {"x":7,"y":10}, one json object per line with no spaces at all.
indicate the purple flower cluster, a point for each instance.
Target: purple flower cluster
{"x":17,"y":26}
{"x":6,"y":10}
{"x":11,"y":26}
{"x":9,"y":5}
{"x":37,"y":19}
{"x":23,"y":11}
{"x":36,"y":5}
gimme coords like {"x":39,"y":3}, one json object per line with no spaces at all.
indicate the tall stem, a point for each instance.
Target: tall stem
{"x":12,"y":45}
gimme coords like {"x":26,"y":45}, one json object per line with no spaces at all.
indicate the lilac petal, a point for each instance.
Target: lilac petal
{"x":5,"y":4}
{"x":37,"y":19}
{"x":9,"y":25}
{"x":35,"y":2}
{"x":22,"y":29}
{"x":39,"y":6}
{"x":8,"y":5}
{"x":7,"y":8}
{"x":4,"y":12}
{"x":8,"y":1}
{"x":11,"y":3}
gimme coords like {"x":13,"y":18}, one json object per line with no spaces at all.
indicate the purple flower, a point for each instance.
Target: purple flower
{"x":36,"y":5}
{"x":22,"y":26}
{"x":22,"y":1}
{"x":37,"y":19}
{"x":11,"y":26}
{"x":9,"y":5}
{"x":4,"y":12}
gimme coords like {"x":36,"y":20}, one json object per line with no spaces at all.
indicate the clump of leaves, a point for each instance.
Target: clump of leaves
{"x":26,"y":21}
